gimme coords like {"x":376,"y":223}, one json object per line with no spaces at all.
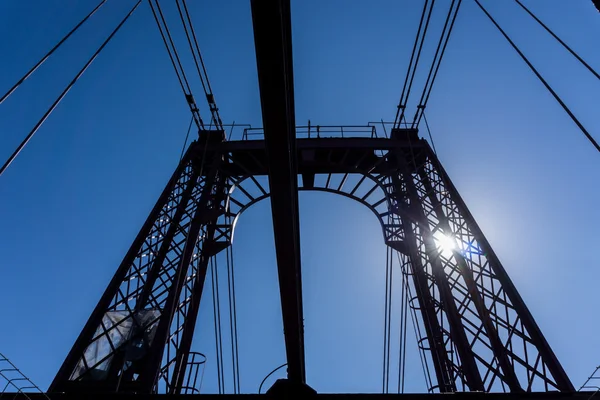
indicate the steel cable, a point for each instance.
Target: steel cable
{"x":412,"y":56}
{"x":402,"y":330}
{"x":539,"y":76}
{"x":232,"y":320}
{"x":203,"y":75}
{"x":402,"y":106}
{"x":573,"y":53}
{"x":65,"y":91}
{"x":43,"y":59}
{"x":416,"y":328}
{"x":176,"y":62}
{"x":385,"y":321}
{"x":433,"y":73}
{"x":217,"y":324}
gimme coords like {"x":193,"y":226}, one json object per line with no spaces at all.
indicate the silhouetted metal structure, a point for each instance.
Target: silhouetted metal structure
{"x":478,"y":335}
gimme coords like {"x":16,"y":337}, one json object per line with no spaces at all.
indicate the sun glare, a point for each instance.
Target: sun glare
{"x":445,"y":243}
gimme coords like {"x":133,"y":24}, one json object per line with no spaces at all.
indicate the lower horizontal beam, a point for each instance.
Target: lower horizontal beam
{"x":343,"y":396}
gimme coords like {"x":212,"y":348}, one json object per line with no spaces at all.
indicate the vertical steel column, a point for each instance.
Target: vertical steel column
{"x":457,"y":332}
{"x":62,"y":377}
{"x":548,"y":356}
{"x":149,"y":375}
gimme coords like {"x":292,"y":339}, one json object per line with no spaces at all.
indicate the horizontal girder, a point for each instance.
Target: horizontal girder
{"x":326,"y":155}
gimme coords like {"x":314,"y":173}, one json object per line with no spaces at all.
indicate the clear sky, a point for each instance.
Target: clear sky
{"x":73,"y":201}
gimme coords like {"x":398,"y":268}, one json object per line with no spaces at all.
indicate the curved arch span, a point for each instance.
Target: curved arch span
{"x":377,"y":199}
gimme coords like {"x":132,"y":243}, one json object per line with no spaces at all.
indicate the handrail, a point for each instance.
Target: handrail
{"x":14,"y":377}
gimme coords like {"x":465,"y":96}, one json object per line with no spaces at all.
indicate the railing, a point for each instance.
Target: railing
{"x":370,"y":130}
{"x":16,"y":383}
{"x":320,"y":131}
{"x":191,"y":385}
{"x":592,"y":382}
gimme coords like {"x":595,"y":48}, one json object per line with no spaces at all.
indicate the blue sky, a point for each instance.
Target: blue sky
{"x":77,"y":195}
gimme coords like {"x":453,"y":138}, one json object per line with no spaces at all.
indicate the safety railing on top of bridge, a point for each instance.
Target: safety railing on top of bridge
{"x":14,"y":382}
{"x":370,"y":130}
{"x":329,"y":131}
{"x":319,"y":131}
{"x":592,"y":383}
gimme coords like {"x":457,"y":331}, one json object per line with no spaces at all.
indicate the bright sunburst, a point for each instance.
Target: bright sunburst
{"x":445,"y":243}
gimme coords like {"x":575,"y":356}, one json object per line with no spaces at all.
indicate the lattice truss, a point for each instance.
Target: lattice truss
{"x":505,"y":353}
{"x":371,"y":190}
{"x":452,"y":260}
{"x":470,"y":327}
{"x":184,"y":317}
{"x":130,"y":322}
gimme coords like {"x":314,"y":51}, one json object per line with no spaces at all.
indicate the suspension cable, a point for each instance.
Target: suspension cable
{"x":402,"y":330}
{"x":235,"y":330}
{"x":433,"y":72}
{"x":219,"y":320}
{"x":416,"y":328}
{"x":65,"y":91}
{"x":389,"y":317}
{"x":539,"y":76}
{"x":232,"y":319}
{"x":217,"y":324}
{"x":172,"y":45}
{"x":187,"y":34}
{"x":385,"y":319}
{"x":404,"y":101}
{"x":176,"y":62}
{"x":559,"y":40}
{"x":43,"y":59}
{"x":210,"y":98}
{"x":397,"y":118}
{"x":389,"y":261}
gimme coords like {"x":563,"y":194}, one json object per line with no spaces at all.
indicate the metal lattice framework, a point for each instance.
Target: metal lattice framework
{"x":491,"y":340}
{"x":476,"y":333}
{"x":139,"y":335}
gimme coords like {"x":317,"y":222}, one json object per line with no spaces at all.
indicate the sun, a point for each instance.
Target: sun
{"x":445,"y":243}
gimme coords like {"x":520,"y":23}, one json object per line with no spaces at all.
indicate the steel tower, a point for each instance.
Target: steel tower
{"x":477,"y":333}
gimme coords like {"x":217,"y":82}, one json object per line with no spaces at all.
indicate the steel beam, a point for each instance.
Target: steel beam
{"x":498,"y":348}
{"x":62,"y":378}
{"x":189,"y":325}
{"x":471,"y":373}
{"x":151,"y":365}
{"x":273,"y":44}
{"x":562,"y":380}
{"x":435,"y":336}
{"x":327,"y":396}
